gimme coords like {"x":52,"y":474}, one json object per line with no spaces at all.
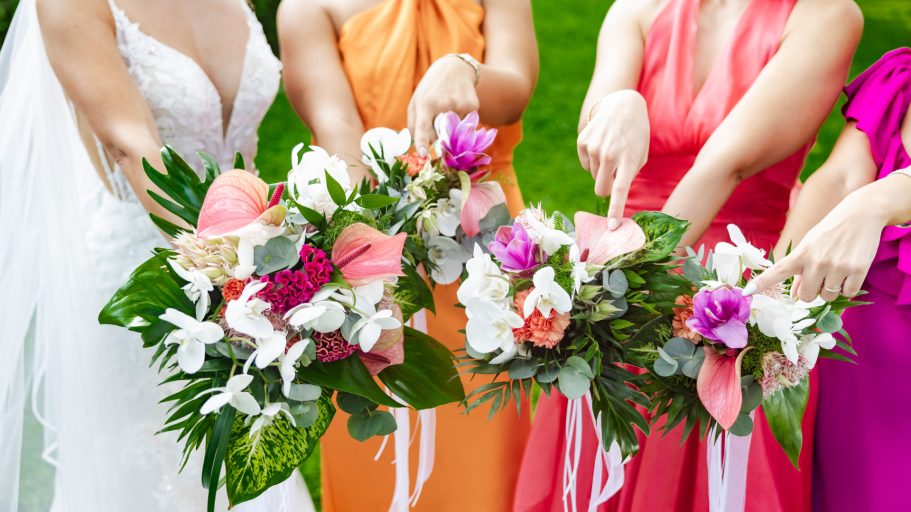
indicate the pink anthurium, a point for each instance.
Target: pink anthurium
{"x":598,"y":245}
{"x":378,"y":360}
{"x":481,"y":198}
{"x":718,"y":384}
{"x":235,"y":200}
{"x":363,"y":254}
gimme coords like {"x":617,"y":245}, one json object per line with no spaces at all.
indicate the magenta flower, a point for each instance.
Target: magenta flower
{"x":464,"y":145}
{"x":721,"y":315}
{"x":514,"y":248}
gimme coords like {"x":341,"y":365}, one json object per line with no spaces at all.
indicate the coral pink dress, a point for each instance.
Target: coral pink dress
{"x":863,"y":451}
{"x":668,"y":475}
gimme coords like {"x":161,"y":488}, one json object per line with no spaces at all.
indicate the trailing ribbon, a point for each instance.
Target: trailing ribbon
{"x":727,"y":458}
{"x":610,"y":461}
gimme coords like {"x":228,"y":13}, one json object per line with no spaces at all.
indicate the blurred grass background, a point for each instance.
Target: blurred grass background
{"x":546,"y":160}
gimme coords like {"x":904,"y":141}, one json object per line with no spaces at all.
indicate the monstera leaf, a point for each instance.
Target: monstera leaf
{"x":662,"y":233}
{"x":184,"y":191}
{"x":254,"y":463}
{"x":427,"y":378}
{"x":151,"y":289}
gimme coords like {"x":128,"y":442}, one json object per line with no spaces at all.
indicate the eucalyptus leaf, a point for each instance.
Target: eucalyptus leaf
{"x":304,"y":392}
{"x":364,"y":426}
{"x":829,"y":322}
{"x":752,"y":397}
{"x":575,"y":378}
{"x":277,"y":254}
{"x":680,"y":348}
{"x":522,"y":368}
{"x":547,"y":374}
{"x":354,"y":404}
{"x":616,"y":283}
{"x":743,"y":426}
{"x":664,"y":367}
{"x":305,"y":414}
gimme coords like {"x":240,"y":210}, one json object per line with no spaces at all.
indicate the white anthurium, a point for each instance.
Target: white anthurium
{"x":192,"y":336}
{"x":366,"y":331}
{"x":288,"y":362}
{"x":232,"y":394}
{"x":727,"y":261}
{"x":197,"y":288}
{"x":246,"y":314}
{"x":448,"y":258}
{"x":582,"y":273}
{"x":267,"y":416}
{"x":811,"y":344}
{"x":751,"y":257}
{"x":484,"y":281}
{"x":490,"y":326}
{"x":547,"y":295}
{"x":388,"y":144}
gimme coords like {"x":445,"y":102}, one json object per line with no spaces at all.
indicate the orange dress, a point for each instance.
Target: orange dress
{"x":385,"y":51}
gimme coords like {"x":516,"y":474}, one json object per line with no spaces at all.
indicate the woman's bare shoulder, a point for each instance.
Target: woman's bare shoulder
{"x":833,"y":17}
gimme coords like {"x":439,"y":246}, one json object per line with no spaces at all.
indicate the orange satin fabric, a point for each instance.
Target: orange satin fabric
{"x":385,"y":51}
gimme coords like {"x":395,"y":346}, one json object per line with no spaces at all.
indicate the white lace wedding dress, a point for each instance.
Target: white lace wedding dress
{"x":66,"y":244}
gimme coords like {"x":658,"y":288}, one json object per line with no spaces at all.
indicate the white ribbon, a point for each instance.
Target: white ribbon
{"x":727,"y":457}
{"x":610,"y":461}
{"x":427,"y":420}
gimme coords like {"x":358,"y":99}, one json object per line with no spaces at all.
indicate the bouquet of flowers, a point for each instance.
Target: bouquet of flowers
{"x":553,"y":304}
{"x":271,"y":301}
{"x":721,"y":354}
{"x":444,"y":203}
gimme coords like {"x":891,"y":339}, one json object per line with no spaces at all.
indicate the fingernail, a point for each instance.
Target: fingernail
{"x":422,"y":151}
{"x":613,"y":224}
{"x":749,"y":289}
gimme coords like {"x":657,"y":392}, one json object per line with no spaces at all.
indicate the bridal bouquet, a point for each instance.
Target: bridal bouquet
{"x":553,"y":304}
{"x":720,"y":354}
{"x":274,"y":300}
{"x":443,"y":201}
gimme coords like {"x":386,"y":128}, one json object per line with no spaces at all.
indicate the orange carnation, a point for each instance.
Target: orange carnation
{"x":540,"y":331}
{"x":413,"y":163}
{"x":681,"y":315}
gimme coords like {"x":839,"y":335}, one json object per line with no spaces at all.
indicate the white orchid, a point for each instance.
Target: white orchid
{"x":442,"y":130}
{"x":192,"y":336}
{"x":232,"y":394}
{"x":387,"y":144}
{"x":197,"y":288}
{"x":510,"y":352}
{"x":448,"y":258}
{"x":246,"y":314}
{"x":485,"y":280}
{"x":490,"y":326}
{"x":366,"y":331}
{"x":268,"y":349}
{"x":267,"y":416}
{"x":427,"y":178}
{"x":811,"y":344}
{"x":542,"y":230}
{"x":751,"y":257}
{"x":728,"y":264}
{"x":449,"y":213}
{"x":322,"y":316}
{"x":765,"y":312}
{"x":582,"y":273}
{"x":547,"y":295}
{"x":288,"y":361}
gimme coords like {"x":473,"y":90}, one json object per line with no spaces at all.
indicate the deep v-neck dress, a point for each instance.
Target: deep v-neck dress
{"x":668,"y":476}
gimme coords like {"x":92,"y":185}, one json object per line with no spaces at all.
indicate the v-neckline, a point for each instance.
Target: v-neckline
{"x":226,"y":123}
{"x":725,"y":53}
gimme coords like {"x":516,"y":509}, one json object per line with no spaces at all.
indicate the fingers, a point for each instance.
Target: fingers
{"x":811,"y":283}
{"x":582,"y":150}
{"x":423,"y":128}
{"x":604,"y":182}
{"x":853,"y":283}
{"x":780,"y":271}
{"x":832,"y":285}
{"x":619,"y":192}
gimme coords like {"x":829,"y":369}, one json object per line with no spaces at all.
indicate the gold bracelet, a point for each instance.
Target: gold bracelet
{"x":471,"y":61}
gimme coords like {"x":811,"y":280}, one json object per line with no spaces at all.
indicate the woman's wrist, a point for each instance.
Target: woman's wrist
{"x":468,"y":61}
{"x":878,"y":203}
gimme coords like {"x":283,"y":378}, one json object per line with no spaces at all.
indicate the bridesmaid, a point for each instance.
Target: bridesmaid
{"x":357,"y":64}
{"x":722,"y":99}
{"x":862,"y":446}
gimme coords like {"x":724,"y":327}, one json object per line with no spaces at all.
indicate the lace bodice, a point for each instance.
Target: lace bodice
{"x":185,"y":103}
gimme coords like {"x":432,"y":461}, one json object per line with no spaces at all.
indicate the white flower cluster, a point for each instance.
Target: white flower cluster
{"x":307,"y":179}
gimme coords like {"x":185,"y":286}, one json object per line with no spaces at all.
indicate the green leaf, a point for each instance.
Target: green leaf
{"x":239,"y":161}
{"x":665,"y":367}
{"x":348,"y":375}
{"x":412,"y":293}
{"x":336,"y":192}
{"x":784,"y":413}
{"x":375,"y":201}
{"x":616,"y":283}
{"x":662,"y":235}
{"x":575,"y":378}
{"x":375,"y":423}
{"x":255,"y":463}
{"x":277,"y":254}
{"x":522,"y":368}
{"x":215,"y":453}
{"x":743,"y":426}
{"x":427,"y":378}
{"x":183,"y":189}
{"x":354,"y":404}
{"x":830,"y":322}
{"x":151,"y":289}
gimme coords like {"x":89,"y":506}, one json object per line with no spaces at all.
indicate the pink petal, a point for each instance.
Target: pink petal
{"x":718,"y":386}
{"x":378,"y":360}
{"x":234,"y":200}
{"x":364,"y":254}
{"x":603,"y":245}
{"x":481,"y":198}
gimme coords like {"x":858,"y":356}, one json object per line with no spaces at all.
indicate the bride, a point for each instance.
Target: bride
{"x":87,"y":89}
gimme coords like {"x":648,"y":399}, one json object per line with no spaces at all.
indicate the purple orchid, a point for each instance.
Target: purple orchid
{"x":514,"y":248}
{"x":464,"y":143}
{"x":721,"y":315}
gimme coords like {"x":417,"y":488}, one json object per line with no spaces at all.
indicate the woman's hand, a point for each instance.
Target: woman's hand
{"x":613,"y":146}
{"x":450,"y":84}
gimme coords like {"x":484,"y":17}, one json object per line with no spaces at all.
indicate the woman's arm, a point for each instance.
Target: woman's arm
{"x":506,"y":81}
{"x":81,"y":45}
{"x":849,"y":167}
{"x":836,"y":254}
{"x":315,"y":80}
{"x":779,"y":114}
{"x":614,"y":129}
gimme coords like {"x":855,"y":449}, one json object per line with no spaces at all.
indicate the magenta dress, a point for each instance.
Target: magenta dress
{"x":863,"y":427}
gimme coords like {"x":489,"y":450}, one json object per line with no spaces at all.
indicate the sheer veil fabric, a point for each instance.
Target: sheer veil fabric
{"x":66,"y":243}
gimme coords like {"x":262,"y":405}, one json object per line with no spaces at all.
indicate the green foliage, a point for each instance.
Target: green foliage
{"x":662,"y":235}
{"x":184,"y":192}
{"x":784,"y":413}
{"x":412,"y":293}
{"x":253,"y":463}
{"x":427,"y":378}
{"x":348,"y":375}
{"x":277,"y":254}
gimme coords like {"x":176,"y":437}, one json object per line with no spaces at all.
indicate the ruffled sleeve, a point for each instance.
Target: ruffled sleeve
{"x":878,"y":100}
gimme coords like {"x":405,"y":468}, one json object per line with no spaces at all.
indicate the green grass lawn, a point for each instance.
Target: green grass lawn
{"x":546,"y":161}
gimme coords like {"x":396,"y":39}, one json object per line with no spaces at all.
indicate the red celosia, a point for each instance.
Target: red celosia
{"x":290,"y":288}
{"x":331,"y":347}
